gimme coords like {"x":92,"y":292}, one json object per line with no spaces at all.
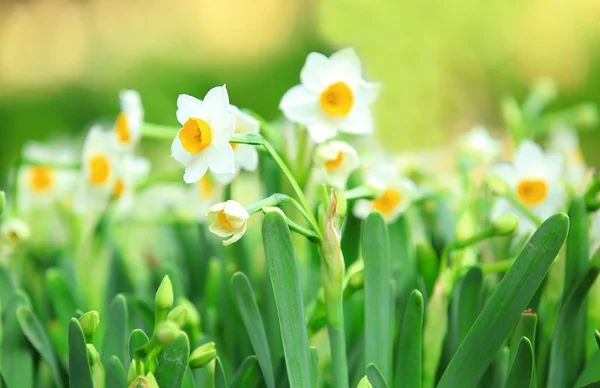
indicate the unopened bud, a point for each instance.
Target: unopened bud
{"x":192,"y":317}
{"x":2,"y":201}
{"x":269,"y":209}
{"x":91,"y":353}
{"x":139,"y":382}
{"x":465,"y":227}
{"x":132,"y":372}
{"x":497,"y":185}
{"x":164,"y":295}
{"x":166,"y":332}
{"x":364,"y":383}
{"x":342,"y":205}
{"x":89,"y":323}
{"x":203,"y":355}
{"x":151,"y":380}
{"x":178,"y":315}
{"x":512,"y":113}
{"x":505,"y":224}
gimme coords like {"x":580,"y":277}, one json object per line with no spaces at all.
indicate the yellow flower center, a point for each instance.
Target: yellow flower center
{"x":223,"y":220}
{"x":195,"y":135}
{"x":206,"y":187}
{"x":13,"y":235}
{"x":335,"y":163}
{"x":337,"y":100}
{"x":387,"y":202}
{"x":99,"y":166}
{"x":118,"y":188}
{"x":532,"y":191}
{"x":122,"y":129}
{"x":41,"y":178}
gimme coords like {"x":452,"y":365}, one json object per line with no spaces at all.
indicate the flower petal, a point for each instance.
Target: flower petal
{"x":359,"y":122}
{"x":236,"y":236}
{"x":346,"y":63}
{"x":196,"y":168}
{"x":321,"y":132}
{"x":246,"y":157}
{"x":188,"y":106}
{"x":220,"y":158}
{"x":362,"y":208}
{"x":216,"y":102}
{"x":312,"y":72}
{"x":300,"y":105}
{"x":506,"y":171}
{"x":179,"y":153}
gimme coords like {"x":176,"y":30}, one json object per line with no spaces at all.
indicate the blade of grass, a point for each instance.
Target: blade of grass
{"x":521,"y":372}
{"x":377,"y":272}
{"x":283,"y":272}
{"x":115,"y":339}
{"x":506,"y":304}
{"x":80,"y":375}
{"x":375,"y":377}
{"x":244,"y":297}
{"x":410,"y":350}
{"x":173,"y":361}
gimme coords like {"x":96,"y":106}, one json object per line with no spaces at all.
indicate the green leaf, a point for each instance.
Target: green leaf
{"x":410,"y":349}
{"x":466,"y":302}
{"x":436,"y":328}
{"x":281,"y":263}
{"x":314,"y":366}
{"x":173,"y":361}
{"x":375,"y":377}
{"x":521,"y":373}
{"x":590,"y":373}
{"x":61,"y":295}
{"x":506,"y":304}
{"x":17,"y":359}
{"x":35,"y":333}
{"x":248,"y":374}
{"x":188,"y":379}
{"x":80,"y":375}
{"x":427,"y":262}
{"x":376,"y":257}
{"x":115,"y":339}
{"x":115,"y":373}
{"x":525,"y":327}
{"x":244,"y":297}
{"x":137,"y":339}
{"x":220,"y":379}
{"x":558,"y":375}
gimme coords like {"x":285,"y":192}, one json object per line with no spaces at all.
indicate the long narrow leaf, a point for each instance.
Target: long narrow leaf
{"x":115,"y":339}
{"x":506,"y":304}
{"x":521,"y":373}
{"x":314,"y":367}
{"x":465,"y":305}
{"x":525,"y":327}
{"x":17,"y":359}
{"x":173,"y":361}
{"x":590,"y":373}
{"x":248,"y":374}
{"x":80,"y":375}
{"x":283,"y":272}
{"x":410,"y":351}
{"x":115,"y":373}
{"x":220,"y":379}
{"x":375,"y":377}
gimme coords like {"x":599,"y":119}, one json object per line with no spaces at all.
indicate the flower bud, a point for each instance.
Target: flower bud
{"x":139,"y":382}
{"x":131,"y":373}
{"x":178,"y":315}
{"x":228,"y":220}
{"x":505,"y":224}
{"x":203,"y":355}
{"x":164,"y":295}
{"x":2,"y":201}
{"x":151,"y":380}
{"x":192,"y":316}
{"x":166,"y":332}
{"x":89,"y":323}
{"x":364,"y":383}
{"x":91,"y":353}
{"x":465,"y":227}
{"x":497,"y":185}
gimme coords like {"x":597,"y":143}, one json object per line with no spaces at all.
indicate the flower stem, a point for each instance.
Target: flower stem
{"x":339,"y":363}
{"x":158,"y":132}
{"x":524,"y":209}
{"x":461,"y":244}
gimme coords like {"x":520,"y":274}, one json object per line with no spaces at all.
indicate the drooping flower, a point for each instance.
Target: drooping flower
{"x":332,"y":96}
{"x":534,"y":177}
{"x":397,"y":194}
{"x":245,"y":155}
{"x":335,"y":161}
{"x":228,"y":220}
{"x":566,"y":143}
{"x":129,"y":122}
{"x":203,"y":141}
{"x":479,"y":146}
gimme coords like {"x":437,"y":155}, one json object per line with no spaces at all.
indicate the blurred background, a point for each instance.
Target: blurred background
{"x":445,"y":65}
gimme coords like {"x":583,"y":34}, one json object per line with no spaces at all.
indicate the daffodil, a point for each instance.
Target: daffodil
{"x":335,"y":161}
{"x":129,"y":122}
{"x":245,"y":155}
{"x":228,"y":220}
{"x":129,"y":172}
{"x":332,"y":96}
{"x":14,"y":232}
{"x":46,"y":176}
{"x":534,"y":178}
{"x":203,"y":141}
{"x":397,"y":194}
{"x":479,"y":147}
{"x":566,"y":143}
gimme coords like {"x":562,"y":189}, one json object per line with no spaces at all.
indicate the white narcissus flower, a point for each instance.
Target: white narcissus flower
{"x":14,"y":231}
{"x":228,"y":219}
{"x":478,"y":145}
{"x":203,"y":142}
{"x":245,"y":155}
{"x":566,"y":143}
{"x":129,"y":122}
{"x":162,"y":200}
{"x":398,"y":193}
{"x":332,"y":96}
{"x":335,"y":161}
{"x":204,"y":193}
{"x":130,"y":171}
{"x":534,"y":177}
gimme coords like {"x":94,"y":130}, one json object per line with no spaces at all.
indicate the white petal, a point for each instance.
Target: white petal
{"x":131,"y":103}
{"x":226,"y":178}
{"x":216,"y":102}
{"x":346,"y":62}
{"x":529,"y":158}
{"x":321,"y":132}
{"x":222,"y":127}
{"x":188,"y":107}
{"x":244,"y":123}
{"x":235,"y":211}
{"x":506,"y":171}
{"x":362,"y":208}
{"x":196,"y":168}
{"x":554,"y":167}
{"x":246,"y":157}
{"x":236,"y":236}
{"x":220,"y":231}
{"x":312,"y":72}
{"x":220,"y":158}
{"x":359,"y":122}
{"x":179,"y":153}
{"x":367,"y":92}
{"x":301,"y":105}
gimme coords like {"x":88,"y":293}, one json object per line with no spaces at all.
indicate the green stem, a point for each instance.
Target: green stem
{"x":462,"y":244}
{"x":339,"y":362}
{"x":497,"y":266}
{"x":158,"y":132}
{"x":359,"y":192}
{"x":524,"y":209}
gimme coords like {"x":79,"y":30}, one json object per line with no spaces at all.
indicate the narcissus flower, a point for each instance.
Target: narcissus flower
{"x":566,"y":143}
{"x":534,"y":177}
{"x":203,"y":194}
{"x":129,"y":122}
{"x":245,"y":155}
{"x":129,"y":171}
{"x":397,"y":194}
{"x":479,"y":146}
{"x":203,"y":141}
{"x":332,"y":96}
{"x":14,"y":232}
{"x":335,"y":161}
{"x":228,"y":219}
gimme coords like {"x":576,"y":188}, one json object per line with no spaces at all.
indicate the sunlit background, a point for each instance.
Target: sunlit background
{"x":445,"y":65}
